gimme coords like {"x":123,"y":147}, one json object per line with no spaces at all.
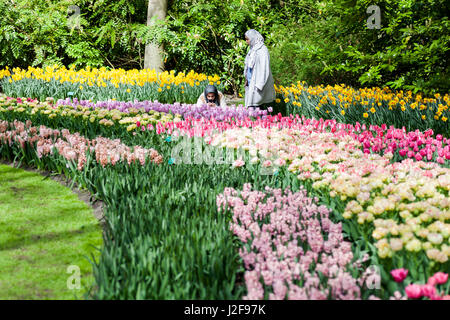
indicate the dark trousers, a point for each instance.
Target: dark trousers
{"x":265,"y":106}
{"x":276,"y":108}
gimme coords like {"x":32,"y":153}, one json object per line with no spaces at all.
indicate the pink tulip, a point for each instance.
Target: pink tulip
{"x":413,"y":291}
{"x":267,"y":163}
{"x":428,"y":290}
{"x":418,"y":157}
{"x":440,"y":277}
{"x":393,"y":145}
{"x":238,"y":163}
{"x":403,"y":152}
{"x":398,"y":134}
{"x":399,"y":274}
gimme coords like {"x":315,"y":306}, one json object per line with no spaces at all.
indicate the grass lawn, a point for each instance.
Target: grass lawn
{"x":44,"y":229}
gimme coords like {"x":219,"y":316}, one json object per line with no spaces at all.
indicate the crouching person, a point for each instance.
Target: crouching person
{"x":212,"y":97}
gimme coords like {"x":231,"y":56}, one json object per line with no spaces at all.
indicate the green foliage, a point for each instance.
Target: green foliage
{"x":410,"y":51}
{"x":46,"y":32}
{"x":197,"y":37}
{"x":318,"y":42}
{"x":302,"y":53}
{"x":165,"y":239}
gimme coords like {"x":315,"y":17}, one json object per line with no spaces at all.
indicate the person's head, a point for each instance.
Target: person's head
{"x":253,"y":37}
{"x":212,"y":94}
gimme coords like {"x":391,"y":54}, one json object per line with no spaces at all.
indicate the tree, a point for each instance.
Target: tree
{"x":157,"y":10}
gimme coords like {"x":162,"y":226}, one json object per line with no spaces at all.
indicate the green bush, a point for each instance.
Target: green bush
{"x":410,"y":51}
{"x":324,"y":42}
{"x":302,"y":52}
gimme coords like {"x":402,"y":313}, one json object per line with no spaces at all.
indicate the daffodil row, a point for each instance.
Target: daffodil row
{"x":368,"y":105}
{"x":103,"y":84}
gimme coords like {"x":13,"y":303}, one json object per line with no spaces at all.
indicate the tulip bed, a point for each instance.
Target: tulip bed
{"x":376,"y":106}
{"x":305,"y":208}
{"x":367,"y":105}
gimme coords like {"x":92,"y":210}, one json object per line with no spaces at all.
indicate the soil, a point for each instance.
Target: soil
{"x":231,"y":99}
{"x":83,"y":195}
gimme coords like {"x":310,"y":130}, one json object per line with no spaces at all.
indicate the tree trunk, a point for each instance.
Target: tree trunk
{"x":153,"y":53}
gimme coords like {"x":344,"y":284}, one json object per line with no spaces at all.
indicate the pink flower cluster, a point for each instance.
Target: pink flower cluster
{"x":415,"y":145}
{"x":428,"y":290}
{"x":290,"y":246}
{"x":21,"y":100}
{"x":373,"y":139}
{"x":73,"y":147}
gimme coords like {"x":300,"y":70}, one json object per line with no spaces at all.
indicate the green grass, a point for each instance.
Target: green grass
{"x":44,"y":229}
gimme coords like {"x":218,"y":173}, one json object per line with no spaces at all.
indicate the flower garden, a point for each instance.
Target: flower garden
{"x":336,"y":193}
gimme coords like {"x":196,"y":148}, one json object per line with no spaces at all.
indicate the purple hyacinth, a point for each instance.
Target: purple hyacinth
{"x":185,"y":110}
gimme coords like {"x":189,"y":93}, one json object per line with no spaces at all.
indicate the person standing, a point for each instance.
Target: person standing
{"x":259,"y":84}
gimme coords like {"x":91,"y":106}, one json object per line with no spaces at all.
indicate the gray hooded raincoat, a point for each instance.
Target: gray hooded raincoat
{"x":260,"y":89}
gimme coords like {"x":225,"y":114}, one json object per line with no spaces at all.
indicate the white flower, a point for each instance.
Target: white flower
{"x":435,"y":238}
